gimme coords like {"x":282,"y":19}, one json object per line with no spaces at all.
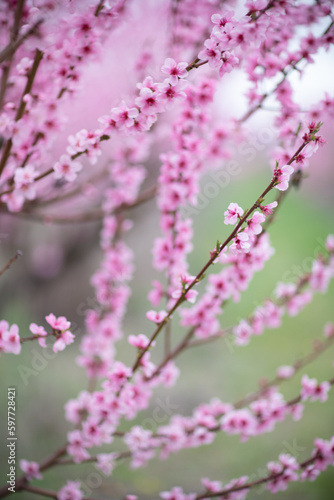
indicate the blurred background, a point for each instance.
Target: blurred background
{"x":58,"y":260}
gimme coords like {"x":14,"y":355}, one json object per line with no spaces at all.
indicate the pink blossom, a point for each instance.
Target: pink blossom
{"x":282,"y":176}
{"x":285,"y":372}
{"x":232,"y":213}
{"x":239,"y":422}
{"x":24,"y":66}
{"x":31,"y":469}
{"x":169,"y":94}
{"x":311,"y":389}
{"x":288,"y":461}
{"x":175,"y":70}
{"x":285,"y":290}
{"x":4,"y":327}
{"x":24,"y":181}
{"x":124,"y":116}
{"x":211,"y":53}
{"x":118,"y":375}
{"x":138,"y":438}
{"x":76,"y":409}
{"x":190,"y":296}
{"x":140,"y":341}
{"x":40,"y":331}
{"x":66,"y":168}
{"x":240,"y":243}
{"x":71,"y":491}
{"x":76,"y":446}
{"x":149,"y":102}
{"x":298,"y":302}
{"x":79,"y":142}
{"x":268,"y":209}
{"x":93,"y":433}
{"x":14,"y":200}
{"x":281,"y":482}
{"x":64,"y":339}
{"x":323,"y":451}
{"x":156,"y":294}
{"x":229,"y":61}
{"x":169,"y":375}
{"x":176,"y":494}
{"x":320,"y":276}
{"x":254,"y":223}
{"x":222,"y":20}
{"x":243,"y":333}
{"x":147,"y":83}
{"x":212,"y":486}
{"x":309,"y":473}
{"x":330,"y":243}
{"x":329,"y":330}
{"x":156,"y":317}
{"x":10,"y":340}
{"x":59,"y":323}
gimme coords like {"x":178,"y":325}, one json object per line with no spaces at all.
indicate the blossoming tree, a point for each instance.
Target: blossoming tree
{"x":46,"y":47}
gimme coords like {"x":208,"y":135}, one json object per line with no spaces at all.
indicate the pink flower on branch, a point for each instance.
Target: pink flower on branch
{"x":254,"y":223}
{"x":59,"y":323}
{"x":174,"y":70}
{"x":60,"y":328}
{"x":66,"y":168}
{"x":31,"y":469}
{"x":40,"y":331}
{"x":156,"y":317}
{"x":268,"y":209}
{"x":311,"y":389}
{"x":233,"y":213}
{"x":71,"y":491}
{"x":169,"y":94}
{"x":282,"y":177}
{"x":211,"y":54}
{"x":24,"y":181}
{"x":10,"y":340}
{"x":240,"y":243}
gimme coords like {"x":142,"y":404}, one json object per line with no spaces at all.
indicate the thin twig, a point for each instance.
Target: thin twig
{"x":20,"y":110}
{"x":10,"y":262}
{"x":93,"y":215}
{"x":252,"y":484}
{"x":11,"y":48}
{"x":47,"y":493}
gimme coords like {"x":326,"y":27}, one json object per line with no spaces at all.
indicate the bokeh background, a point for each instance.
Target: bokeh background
{"x":57,"y":262}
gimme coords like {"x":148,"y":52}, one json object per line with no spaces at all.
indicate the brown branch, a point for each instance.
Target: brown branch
{"x":40,"y":491}
{"x":20,"y":111}
{"x":319,"y":348}
{"x":252,"y":484}
{"x":93,"y":458}
{"x":178,"y":349}
{"x":47,"y":493}
{"x":13,"y":37}
{"x":35,"y":337}
{"x":22,"y":481}
{"x":99,"y":7}
{"x":10,"y":262}
{"x":94,"y":215}
{"x":12,"y":47}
